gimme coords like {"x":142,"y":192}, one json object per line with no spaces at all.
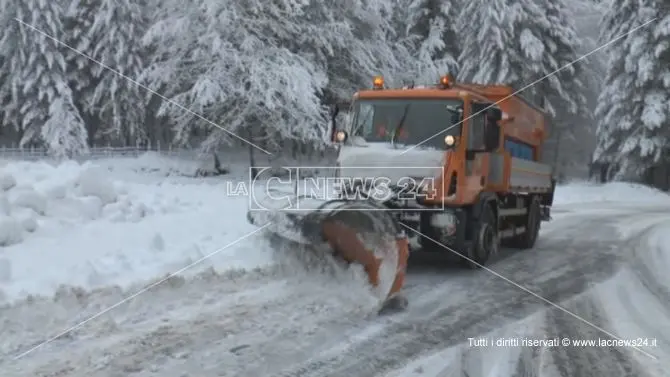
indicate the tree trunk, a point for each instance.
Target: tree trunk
{"x":252,"y":155}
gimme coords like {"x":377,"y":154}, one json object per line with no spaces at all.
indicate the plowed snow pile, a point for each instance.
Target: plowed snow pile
{"x":617,"y":193}
{"x":87,"y":225}
{"x":127,"y":222}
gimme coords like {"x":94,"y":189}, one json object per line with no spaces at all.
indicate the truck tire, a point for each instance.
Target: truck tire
{"x":484,"y":240}
{"x":532,"y":224}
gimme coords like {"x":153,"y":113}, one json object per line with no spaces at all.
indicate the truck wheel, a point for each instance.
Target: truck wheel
{"x":485,"y":240}
{"x":533,"y":220}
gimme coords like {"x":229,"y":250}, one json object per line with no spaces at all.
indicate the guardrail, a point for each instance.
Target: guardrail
{"x":32,"y":154}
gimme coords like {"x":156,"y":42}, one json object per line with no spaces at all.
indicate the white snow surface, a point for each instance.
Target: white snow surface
{"x":632,"y":309}
{"x":579,"y":192}
{"x":99,"y":224}
{"x":109,"y":225}
{"x":124,"y":221}
{"x":383,"y":160}
{"x":631,"y":303}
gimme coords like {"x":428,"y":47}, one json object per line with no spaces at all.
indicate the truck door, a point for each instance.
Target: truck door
{"x":484,"y":160}
{"x":476,"y":148}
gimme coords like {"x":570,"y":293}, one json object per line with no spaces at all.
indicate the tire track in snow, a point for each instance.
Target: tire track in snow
{"x":588,"y":361}
{"x":493,"y":305}
{"x":287,"y":322}
{"x":212,"y":311}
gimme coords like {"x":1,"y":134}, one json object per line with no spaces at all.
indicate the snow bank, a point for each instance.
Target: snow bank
{"x":86,"y":225}
{"x":36,"y":196}
{"x":616,"y":192}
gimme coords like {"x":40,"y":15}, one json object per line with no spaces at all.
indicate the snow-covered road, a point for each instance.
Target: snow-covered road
{"x":602,"y":261}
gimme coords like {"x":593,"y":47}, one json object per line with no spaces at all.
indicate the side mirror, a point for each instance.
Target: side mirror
{"x":333,"y":123}
{"x":334,"y":112}
{"x":456,"y":118}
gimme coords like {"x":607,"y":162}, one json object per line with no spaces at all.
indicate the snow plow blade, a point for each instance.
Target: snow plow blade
{"x":353,"y":231}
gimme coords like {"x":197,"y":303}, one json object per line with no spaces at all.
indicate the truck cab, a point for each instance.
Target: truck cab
{"x":460,"y":162}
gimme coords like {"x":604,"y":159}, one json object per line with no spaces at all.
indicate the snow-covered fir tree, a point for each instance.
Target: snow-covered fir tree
{"x":563,"y":91}
{"x":519,"y":43}
{"x":83,"y":74}
{"x":118,"y":28}
{"x":562,"y":94}
{"x":431,"y":29}
{"x":46,"y":115}
{"x":266,"y":66}
{"x":268,"y":69}
{"x":489,"y":51}
{"x":633,"y":111}
{"x":238,"y":74}
{"x":360,"y":43}
{"x":10,"y":100}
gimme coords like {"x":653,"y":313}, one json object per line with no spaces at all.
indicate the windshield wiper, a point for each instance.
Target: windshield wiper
{"x":398,"y":128}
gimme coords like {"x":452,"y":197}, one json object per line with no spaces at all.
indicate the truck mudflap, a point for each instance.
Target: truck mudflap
{"x":545,"y":213}
{"x":547,"y":201}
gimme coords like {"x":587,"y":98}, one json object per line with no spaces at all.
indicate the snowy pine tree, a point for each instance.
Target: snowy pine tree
{"x":562,"y":94}
{"x":238,"y":74}
{"x":83,"y":74}
{"x":266,"y":66}
{"x":431,"y":28}
{"x":353,"y":40}
{"x":47,"y":114}
{"x":633,"y":111}
{"x":490,"y":53}
{"x":118,"y":28}
{"x":269,"y":67}
{"x":10,"y":100}
{"x":563,"y":91}
{"x":519,"y":43}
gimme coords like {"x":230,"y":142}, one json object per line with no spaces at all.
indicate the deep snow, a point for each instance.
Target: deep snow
{"x":129,"y":222}
{"x":114,"y":223}
{"x":617,"y":193}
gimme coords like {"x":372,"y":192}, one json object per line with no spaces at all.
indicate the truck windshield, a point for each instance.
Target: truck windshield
{"x":411,"y":120}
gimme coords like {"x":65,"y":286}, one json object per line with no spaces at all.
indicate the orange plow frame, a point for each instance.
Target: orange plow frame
{"x":345,"y":242}
{"x":341,"y":225}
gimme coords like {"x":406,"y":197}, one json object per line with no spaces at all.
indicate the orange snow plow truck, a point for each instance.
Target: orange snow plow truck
{"x":451,"y":168}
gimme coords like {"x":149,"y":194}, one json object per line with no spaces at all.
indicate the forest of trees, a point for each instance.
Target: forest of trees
{"x":633,"y":109}
{"x":81,"y":73}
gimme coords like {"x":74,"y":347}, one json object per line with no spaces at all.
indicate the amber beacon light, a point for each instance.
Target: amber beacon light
{"x":446,"y":81}
{"x":378,"y":82}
